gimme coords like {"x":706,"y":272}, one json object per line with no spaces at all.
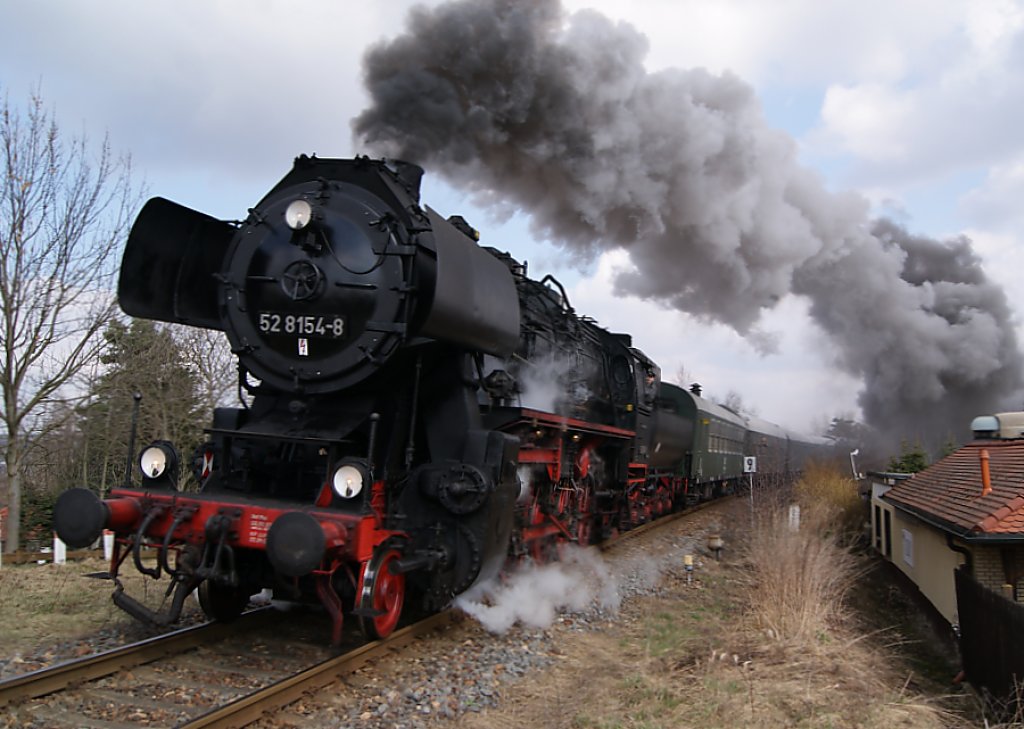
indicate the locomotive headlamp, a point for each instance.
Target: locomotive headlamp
{"x":298,"y":214}
{"x":348,"y":481}
{"x":159,"y":462}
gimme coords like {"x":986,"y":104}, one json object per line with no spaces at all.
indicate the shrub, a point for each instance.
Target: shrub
{"x":800,"y":574}
{"x":824,"y":487}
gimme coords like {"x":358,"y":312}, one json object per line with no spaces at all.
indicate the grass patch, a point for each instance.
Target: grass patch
{"x":50,"y":603}
{"x":666,"y":632}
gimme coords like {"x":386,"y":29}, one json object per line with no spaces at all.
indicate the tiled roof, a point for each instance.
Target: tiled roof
{"x":950,"y":490}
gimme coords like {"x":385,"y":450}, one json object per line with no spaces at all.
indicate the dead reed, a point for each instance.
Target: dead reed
{"x":799,"y":575}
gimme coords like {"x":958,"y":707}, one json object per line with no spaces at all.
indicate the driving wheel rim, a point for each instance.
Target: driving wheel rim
{"x":387,"y":595}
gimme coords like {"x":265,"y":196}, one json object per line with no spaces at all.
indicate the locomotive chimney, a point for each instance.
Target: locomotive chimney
{"x":410,"y":176}
{"x":695,"y":388}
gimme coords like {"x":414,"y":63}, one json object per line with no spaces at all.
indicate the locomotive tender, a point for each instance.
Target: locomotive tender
{"x":419,"y":410}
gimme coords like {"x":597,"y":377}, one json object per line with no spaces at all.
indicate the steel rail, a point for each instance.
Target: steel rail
{"x":56,"y":678}
{"x":247,"y":709}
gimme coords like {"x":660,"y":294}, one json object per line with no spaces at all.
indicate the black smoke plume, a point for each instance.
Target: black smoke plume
{"x":532,"y":109}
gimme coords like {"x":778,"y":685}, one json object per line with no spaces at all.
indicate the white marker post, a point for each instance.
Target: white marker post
{"x":60,"y":550}
{"x":750,"y":468}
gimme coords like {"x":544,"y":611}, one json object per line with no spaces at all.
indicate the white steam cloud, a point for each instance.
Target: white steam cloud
{"x":534,"y":595}
{"x":554,"y":383}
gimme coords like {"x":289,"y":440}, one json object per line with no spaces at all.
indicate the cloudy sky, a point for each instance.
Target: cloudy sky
{"x":914,"y":105}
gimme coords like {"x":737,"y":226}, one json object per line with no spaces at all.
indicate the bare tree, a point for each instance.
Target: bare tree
{"x":683,"y":377}
{"x":208,"y":353}
{"x":64,"y":207}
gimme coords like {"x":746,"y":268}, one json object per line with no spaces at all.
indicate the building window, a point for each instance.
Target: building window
{"x":908,"y":547}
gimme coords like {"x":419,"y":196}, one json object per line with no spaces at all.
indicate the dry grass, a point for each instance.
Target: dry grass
{"x":46,"y":604}
{"x":691,"y":659}
{"x":799,"y":575}
{"x":764,"y":641}
{"x":824,"y":487}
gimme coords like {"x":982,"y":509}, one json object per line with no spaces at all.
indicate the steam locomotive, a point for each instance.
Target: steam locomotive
{"x":416,"y":409}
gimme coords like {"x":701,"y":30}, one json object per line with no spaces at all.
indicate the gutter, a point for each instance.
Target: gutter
{"x":964,"y":533}
{"x":968,"y":557}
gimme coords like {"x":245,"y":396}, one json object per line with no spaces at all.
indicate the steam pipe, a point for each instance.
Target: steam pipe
{"x":410,"y":447}
{"x":137,"y":546}
{"x":561,"y":289}
{"x":372,"y":444}
{"x":181,"y":516}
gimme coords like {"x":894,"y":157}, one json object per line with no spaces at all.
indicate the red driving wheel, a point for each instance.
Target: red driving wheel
{"x":381,"y":594}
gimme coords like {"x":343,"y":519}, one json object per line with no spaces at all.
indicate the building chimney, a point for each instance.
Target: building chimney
{"x":986,"y":477}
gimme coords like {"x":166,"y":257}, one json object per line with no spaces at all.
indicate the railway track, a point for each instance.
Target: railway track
{"x":248,"y":709}
{"x":165,"y":680}
{"x":56,"y":678}
{"x":202,"y":680}
{"x":191,"y":686}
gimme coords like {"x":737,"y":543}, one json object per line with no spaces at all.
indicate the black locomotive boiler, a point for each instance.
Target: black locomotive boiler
{"x":417,"y":410}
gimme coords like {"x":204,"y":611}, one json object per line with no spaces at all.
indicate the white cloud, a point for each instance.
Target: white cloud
{"x":991,"y":27}
{"x":1003,"y":259}
{"x":194,"y":89}
{"x":960,"y":111}
{"x":997,"y":202}
{"x":867,"y":120}
{"x":798,"y":41}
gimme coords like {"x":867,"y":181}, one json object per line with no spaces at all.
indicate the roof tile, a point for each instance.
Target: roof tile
{"x":951,"y":488}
